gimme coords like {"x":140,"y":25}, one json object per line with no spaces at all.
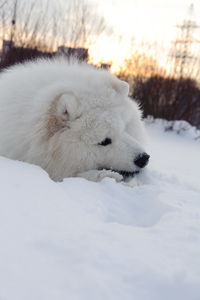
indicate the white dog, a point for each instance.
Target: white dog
{"x":71,"y":119}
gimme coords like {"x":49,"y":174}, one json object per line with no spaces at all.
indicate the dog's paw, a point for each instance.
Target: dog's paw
{"x":111,"y":174}
{"x":98,"y":175}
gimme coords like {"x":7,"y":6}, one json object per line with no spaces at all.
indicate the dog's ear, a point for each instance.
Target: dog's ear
{"x":124,"y":88}
{"x":66,"y":106}
{"x":62,"y":110}
{"x":120,"y":86}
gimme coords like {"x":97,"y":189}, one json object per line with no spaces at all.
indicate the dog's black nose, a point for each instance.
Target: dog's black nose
{"x":142,"y":160}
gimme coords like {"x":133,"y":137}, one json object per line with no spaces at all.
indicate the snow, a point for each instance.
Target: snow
{"x":81,"y":240}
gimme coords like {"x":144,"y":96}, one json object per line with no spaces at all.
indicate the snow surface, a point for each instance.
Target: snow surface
{"x":81,"y":240}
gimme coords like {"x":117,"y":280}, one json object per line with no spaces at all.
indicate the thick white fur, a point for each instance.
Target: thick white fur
{"x":54,"y":114}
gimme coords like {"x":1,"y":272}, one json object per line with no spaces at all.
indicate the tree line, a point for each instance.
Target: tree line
{"x":171,"y":92}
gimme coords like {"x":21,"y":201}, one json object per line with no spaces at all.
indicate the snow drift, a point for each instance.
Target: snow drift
{"x":81,"y":240}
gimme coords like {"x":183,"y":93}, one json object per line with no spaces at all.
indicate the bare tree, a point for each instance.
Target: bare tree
{"x":140,"y":65}
{"x":44,"y":24}
{"x":22,"y":24}
{"x":82,"y":23}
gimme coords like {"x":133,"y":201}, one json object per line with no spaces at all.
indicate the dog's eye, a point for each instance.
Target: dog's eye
{"x":106,"y":142}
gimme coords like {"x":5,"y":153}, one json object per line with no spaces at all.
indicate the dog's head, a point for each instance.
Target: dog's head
{"x":96,"y":126}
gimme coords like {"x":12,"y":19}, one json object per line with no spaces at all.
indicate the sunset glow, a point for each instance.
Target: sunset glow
{"x":149,"y":22}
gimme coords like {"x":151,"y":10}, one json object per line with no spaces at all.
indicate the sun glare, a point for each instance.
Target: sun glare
{"x":145,"y":23}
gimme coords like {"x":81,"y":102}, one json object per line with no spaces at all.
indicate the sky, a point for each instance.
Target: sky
{"x":144,"y":20}
{"x":134,"y":22}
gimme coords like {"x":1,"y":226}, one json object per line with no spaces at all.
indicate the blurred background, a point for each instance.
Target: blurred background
{"x":154,"y":45}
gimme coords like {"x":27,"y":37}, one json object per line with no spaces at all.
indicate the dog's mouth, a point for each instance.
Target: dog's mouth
{"x":126,"y":174}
